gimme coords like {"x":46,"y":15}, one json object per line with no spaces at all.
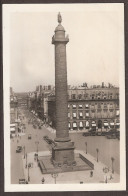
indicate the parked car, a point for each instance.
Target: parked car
{"x":19,"y":149}
{"x":113,"y":136}
{"x":86,"y":134}
{"x":99,"y":133}
{"x":45,"y":137}
{"x":49,"y":141}
{"x":29,"y":137}
{"x":34,"y":126}
{"x":22,"y":181}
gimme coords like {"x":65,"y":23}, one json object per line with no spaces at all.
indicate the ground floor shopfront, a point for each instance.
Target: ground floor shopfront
{"x":93,"y":124}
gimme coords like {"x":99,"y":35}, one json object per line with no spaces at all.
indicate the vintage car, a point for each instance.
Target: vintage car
{"x":45,"y":137}
{"x":22,"y":181}
{"x":29,"y":137}
{"x":19,"y":149}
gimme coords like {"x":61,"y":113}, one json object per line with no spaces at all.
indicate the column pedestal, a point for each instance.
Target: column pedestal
{"x":63,"y":153}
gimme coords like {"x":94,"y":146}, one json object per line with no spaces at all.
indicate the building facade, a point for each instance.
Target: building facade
{"x":96,"y":108}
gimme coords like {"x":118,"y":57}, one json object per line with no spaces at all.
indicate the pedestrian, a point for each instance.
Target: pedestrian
{"x":111,"y":177}
{"x":43,"y":180}
{"x":91,"y":173}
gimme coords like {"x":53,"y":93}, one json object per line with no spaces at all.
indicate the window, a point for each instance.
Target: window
{"x":86,"y":105}
{"x":80,"y":96}
{"x":117,"y":112}
{"x":74,"y":115}
{"x":81,"y":124}
{"x":68,"y":115}
{"x":87,"y":124}
{"x":99,"y":105}
{"x":74,"y":106}
{"x":111,"y":106}
{"x":74,"y":125}
{"x":93,"y":106}
{"x":80,"y":106}
{"x":69,"y":126}
{"x":105,"y":105}
{"x":87,"y":114}
{"x":81,"y":115}
{"x":73,"y":96}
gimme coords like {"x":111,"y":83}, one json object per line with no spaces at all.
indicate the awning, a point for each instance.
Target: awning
{"x":81,"y":124}
{"x":80,"y":106}
{"x":18,"y":120}
{"x":68,"y":114}
{"x":69,"y":125}
{"x":105,"y":124}
{"x":112,"y":123}
{"x":12,"y":125}
{"x":81,"y":114}
{"x":12,"y":129}
{"x":74,"y":106}
{"x":74,"y":115}
{"x":87,"y":114}
{"x":86,"y":105}
{"x":87,"y":124}
{"x":74,"y":125}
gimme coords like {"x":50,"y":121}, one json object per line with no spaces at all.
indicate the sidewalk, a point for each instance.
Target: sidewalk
{"x":69,"y":177}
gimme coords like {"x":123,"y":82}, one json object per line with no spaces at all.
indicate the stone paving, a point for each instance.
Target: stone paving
{"x":69,"y":177}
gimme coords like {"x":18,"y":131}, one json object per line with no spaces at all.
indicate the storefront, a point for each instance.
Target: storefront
{"x":117,"y":125}
{"x":112,"y":124}
{"x":106,"y":125}
{"x":93,"y":125}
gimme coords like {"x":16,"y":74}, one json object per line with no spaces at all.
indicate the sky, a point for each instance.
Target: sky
{"x":93,"y":51}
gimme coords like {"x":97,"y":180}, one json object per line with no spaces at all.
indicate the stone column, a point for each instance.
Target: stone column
{"x":64,"y":147}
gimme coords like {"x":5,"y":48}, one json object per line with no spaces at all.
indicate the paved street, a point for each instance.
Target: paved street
{"x":30,"y":146}
{"x":94,"y":142}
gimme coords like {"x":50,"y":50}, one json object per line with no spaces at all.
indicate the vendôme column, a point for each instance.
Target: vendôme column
{"x":64,"y":148}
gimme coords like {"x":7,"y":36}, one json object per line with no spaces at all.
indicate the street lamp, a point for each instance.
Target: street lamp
{"x":29,"y":166}
{"x":86,"y":146}
{"x":112,"y":159}
{"x":26,"y":160}
{"x":97,"y":150}
{"x":24,"y":152}
{"x":106,"y":170}
{"x":54,"y":175}
{"x":37,"y":146}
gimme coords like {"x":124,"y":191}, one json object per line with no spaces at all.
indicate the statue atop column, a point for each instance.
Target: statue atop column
{"x":59,"y":18}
